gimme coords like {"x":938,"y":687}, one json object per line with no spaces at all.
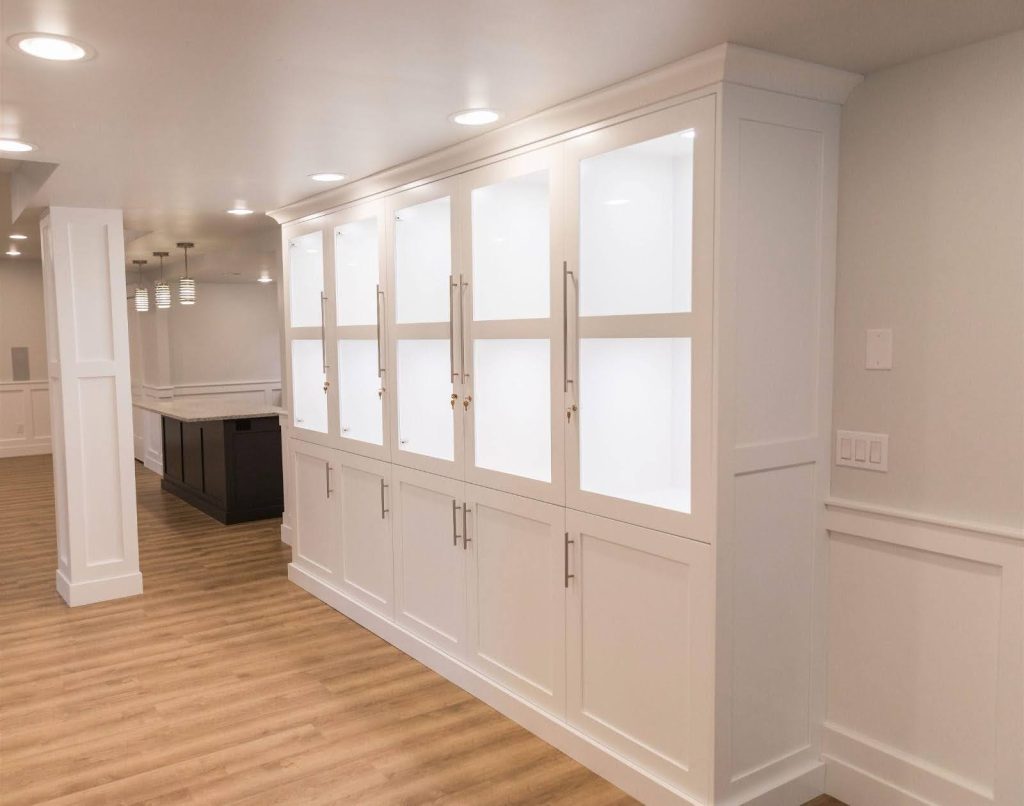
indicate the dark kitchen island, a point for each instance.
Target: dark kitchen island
{"x":222,"y":457}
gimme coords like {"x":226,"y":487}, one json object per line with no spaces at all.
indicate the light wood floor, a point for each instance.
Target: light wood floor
{"x":225,"y":683}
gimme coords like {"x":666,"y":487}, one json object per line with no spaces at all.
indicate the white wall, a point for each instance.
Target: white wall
{"x":21,"y":316}
{"x":925,"y":616}
{"x":931,"y":243}
{"x":229,"y":335}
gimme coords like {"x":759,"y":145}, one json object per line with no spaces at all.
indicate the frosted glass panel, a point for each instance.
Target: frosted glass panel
{"x":306,"y":279}
{"x":512,"y":406}
{"x":635,"y":420}
{"x":636,"y":228}
{"x":361,"y":408}
{"x":423,"y":261}
{"x":309,"y":400}
{"x":511,"y":257}
{"x":358,"y":272}
{"x":425,"y":415}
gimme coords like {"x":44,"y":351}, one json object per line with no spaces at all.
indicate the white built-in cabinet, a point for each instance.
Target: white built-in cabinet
{"x":527,"y":390}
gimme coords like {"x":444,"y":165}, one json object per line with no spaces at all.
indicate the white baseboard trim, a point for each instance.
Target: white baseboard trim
{"x":286,"y":534}
{"x":795,"y":787}
{"x":856,"y":787}
{"x":98,"y":590}
{"x":25,"y":449}
{"x":621,"y":772}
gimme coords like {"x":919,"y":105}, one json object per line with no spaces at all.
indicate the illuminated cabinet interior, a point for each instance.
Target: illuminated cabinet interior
{"x":559,"y":411}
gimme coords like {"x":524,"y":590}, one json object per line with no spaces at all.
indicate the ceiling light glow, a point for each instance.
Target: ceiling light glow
{"x":240,"y":211}
{"x":475,"y":117}
{"x":264,"y":277}
{"x":13,"y":252}
{"x":327,"y":177}
{"x":15,"y":146}
{"x":50,"y":46}
{"x":16,"y":237}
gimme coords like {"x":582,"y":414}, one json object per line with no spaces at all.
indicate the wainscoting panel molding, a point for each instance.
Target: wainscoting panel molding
{"x":24,"y":418}
{"x":925,"y":661}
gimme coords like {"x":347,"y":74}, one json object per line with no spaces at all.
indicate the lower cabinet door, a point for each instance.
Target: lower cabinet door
{"x":367,"y":558}
{"x":430,"y":567}
{"x":317,"y":538}
{"x":517,"y":590}
{"x":640,"y":646}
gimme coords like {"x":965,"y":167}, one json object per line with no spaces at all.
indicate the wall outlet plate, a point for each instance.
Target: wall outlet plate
{"x":862,"y":450}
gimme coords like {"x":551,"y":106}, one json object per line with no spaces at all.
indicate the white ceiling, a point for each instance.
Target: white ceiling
{"x":194,"y":105}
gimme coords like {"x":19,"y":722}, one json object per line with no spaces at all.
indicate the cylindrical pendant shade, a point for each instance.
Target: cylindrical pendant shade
{"x":141,"y":299}
{"x":162,"y":295}
{"x":187,"y":291}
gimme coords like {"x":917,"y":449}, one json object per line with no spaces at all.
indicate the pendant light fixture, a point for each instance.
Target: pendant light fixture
{"x":162,"y":291}
{"x":186,"y":285}
{"x":141,"y":294}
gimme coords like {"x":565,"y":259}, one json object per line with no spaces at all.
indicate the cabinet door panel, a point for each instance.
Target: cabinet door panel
{"x":425,"y":353}
{"x":510,"y":301}
{"x":366,"y":561}
{"x":317,"y":541}
{"x":517,"y":594}
{"x":431,"y":566}
{"x":639,"y":279}
{"x":640,"y":661}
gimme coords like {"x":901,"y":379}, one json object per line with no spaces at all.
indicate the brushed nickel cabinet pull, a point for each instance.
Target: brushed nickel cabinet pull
{"x":568,"y":576}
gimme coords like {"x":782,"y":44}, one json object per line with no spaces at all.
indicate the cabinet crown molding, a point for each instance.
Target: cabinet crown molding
{"x":725,"y":63}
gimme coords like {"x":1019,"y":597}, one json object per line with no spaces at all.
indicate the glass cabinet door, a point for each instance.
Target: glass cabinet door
{"x":427,"y":357}
{"x":360,"y":328}
{"x":512,"y":336}
{"x":307,"y":333}
{"x":638,"y":382}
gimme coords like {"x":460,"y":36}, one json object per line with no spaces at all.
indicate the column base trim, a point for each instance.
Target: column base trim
{"x":76,"y":594}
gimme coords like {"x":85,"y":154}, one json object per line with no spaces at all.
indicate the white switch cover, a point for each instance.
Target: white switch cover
{"x":864,"y":450}
{"x":879,"y":349}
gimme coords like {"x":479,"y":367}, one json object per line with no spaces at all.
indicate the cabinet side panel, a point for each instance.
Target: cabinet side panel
{"x":778,"y":281}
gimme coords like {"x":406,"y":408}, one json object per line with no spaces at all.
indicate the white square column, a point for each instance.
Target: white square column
{"x":90,"y":404}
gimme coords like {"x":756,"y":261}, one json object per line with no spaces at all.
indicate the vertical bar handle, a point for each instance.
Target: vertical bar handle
{"x":323,"y":329}
{"x":451,"y":327}
{"x":380,"y":360}
{"x":462,"y":328}
{"x":568,"y":576}
{"x":327,"y":468}
{"x":566,"y":274}
{"x":565,"y":325}
{"x":465,"y":529}
{"x":455,"y":528}
{"x":383,"y":509}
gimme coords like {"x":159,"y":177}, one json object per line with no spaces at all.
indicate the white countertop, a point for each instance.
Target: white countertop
{"x":194,"y":410}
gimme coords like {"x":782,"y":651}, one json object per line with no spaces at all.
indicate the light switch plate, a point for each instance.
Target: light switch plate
{"x":878,"y":350}
{"x":862,"y":450}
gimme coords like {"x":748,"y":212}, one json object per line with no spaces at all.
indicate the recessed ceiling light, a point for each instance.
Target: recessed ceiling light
{"x":15,"y":145}
{"x":475,"y":117}
{"x":240,"y":211}
{"x":54,"y":47}
{"x":13,"y":251}
{"x":18,"y":237}
{"x":327,"y":177}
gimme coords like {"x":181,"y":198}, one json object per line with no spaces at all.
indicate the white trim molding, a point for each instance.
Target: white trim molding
{"x":925,"y":659}
{"x":24,"y":418}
